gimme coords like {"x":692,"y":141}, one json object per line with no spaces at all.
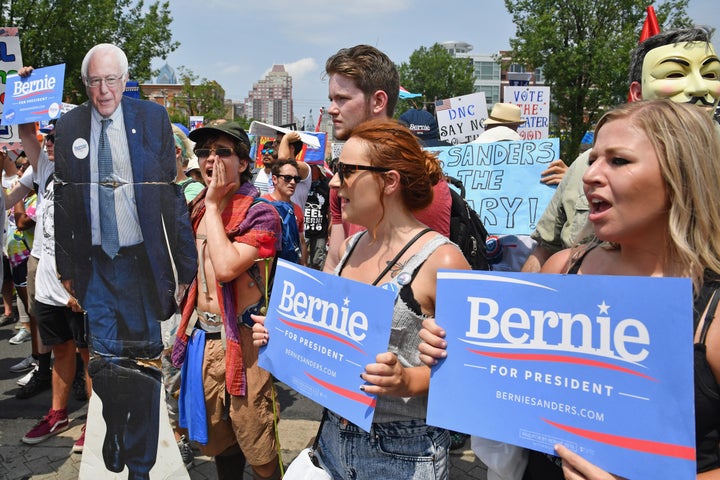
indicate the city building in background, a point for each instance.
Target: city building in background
{"x":493,"y":71}
{"x":270,"y":100}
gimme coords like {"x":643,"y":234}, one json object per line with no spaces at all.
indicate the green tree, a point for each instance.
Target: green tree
{"x":62,"y":31}
{"x":436,"y":74}
{"x":198,"y":97}
{"x":583,"y":48}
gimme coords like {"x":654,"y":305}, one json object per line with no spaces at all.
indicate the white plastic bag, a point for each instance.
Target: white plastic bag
{"x":303,"y":468}
{"x":504,"y":461}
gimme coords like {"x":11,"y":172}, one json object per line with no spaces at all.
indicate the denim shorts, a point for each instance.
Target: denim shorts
{"x":408,"y":449}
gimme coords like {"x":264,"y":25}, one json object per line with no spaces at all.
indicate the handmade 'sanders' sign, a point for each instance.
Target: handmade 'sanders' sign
{"x":601,"y":364}
{"x":323,"y":330}
{"x":502,"y":181}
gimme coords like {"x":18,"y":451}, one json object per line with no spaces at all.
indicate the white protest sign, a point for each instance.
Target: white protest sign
{"x":534,"y":103}
{"x":10,"y":63}
{"x":460,"y":119}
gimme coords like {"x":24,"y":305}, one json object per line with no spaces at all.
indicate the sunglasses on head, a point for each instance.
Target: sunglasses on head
{"x":344,"y":170}
{"x":220,"y":152}
{"x":268,"y":151}
{"x":289,"y":178}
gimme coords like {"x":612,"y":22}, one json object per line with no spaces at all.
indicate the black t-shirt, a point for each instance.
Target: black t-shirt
{"x":317,"y":219}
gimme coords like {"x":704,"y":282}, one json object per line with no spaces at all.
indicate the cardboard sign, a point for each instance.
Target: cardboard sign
{"x":502,"y":181}
{"x":197,"y":121}
{"x":10,"y":63}
{"x":324,"y":329}
{"x":601,"y":364}
{"x":267,"y":130}
{"x":460,"y":119}
{"x":534,"y":103}
{"x":34,"y":98}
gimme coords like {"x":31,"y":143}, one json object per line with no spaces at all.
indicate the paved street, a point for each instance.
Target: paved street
{"x":53,"y":460}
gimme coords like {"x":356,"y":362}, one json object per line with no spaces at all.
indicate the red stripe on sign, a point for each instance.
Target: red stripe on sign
{"x":344,"y":392}
{"x":544,"y":357}
{"x":637,"y":444}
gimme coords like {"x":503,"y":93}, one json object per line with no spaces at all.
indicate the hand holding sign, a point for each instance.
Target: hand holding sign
{"x":387,"y":377}
{"x":433,"y":346}
{"x":576,"y":467}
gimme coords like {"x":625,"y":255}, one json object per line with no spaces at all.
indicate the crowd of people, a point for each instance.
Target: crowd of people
{"x":147,"y":274}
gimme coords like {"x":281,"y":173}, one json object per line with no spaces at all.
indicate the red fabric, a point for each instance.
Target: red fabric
{"x":234,"y":218}
{"x":649,"y":29}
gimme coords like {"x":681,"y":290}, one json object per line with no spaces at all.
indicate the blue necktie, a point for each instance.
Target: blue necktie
{"x":108,"y":221}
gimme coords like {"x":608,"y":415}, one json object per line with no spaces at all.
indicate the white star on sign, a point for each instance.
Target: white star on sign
{"x":603,"y":308}
{"x":346,"y":302}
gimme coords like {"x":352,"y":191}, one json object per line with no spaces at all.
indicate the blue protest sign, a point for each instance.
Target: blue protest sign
{"x":601,"y":364}
{"x":323,"y":331}
{"x":502,"y":181}
{"x":316,"y":154}
{"x":35,"y":97}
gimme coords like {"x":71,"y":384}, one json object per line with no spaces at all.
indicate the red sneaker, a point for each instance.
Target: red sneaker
{"x":80,"y":442}
{"x":54,"y":422}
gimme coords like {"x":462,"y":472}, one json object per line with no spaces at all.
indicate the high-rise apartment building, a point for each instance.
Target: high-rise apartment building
{"x":270,"y":99}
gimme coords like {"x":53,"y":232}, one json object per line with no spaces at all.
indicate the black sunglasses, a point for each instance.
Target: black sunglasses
{"x":346,"y":169}
{"x":22,"y":166}
{"x":268,"y":151}
{"x":50,"y":137}
{"x":220,"y":152}
{"x":289,"y":178}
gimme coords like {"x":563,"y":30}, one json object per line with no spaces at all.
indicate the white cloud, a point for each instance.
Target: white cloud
{"x":302,"y":67}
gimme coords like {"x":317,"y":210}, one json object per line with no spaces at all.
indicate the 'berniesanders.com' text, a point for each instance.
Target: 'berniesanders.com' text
{"x":551,"y":405}
{"x":311,"y":363}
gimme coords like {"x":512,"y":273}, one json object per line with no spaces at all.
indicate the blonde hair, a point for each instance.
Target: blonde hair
{"x":183,"y":143}
{"x":686,"y":141}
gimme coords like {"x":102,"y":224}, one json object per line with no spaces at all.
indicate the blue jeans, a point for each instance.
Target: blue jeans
{"x":399,"y":450}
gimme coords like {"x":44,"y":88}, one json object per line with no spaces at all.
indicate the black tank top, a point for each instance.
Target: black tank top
{"x":707,"y":392}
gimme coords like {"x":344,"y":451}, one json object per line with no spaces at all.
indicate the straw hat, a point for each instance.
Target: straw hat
{"x":504,"y":114}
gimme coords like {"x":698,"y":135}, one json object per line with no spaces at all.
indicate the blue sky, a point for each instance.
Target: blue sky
{"x":236,"y":43}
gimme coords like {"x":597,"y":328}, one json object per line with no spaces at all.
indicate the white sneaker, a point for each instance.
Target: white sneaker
{"x":25,"y":364}
{"x":22,"y":336}
{"x":22,"y":381}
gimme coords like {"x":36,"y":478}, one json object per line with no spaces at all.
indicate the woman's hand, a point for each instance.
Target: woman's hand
{"x":260,"y":333}
{"x":386,"y":376}
{"x":576,"y":467}
{"x":433,"y":346}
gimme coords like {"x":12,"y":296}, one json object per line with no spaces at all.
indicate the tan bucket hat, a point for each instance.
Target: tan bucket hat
{"x":504,"y":114}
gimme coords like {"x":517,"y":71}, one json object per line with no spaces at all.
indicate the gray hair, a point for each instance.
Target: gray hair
{"x":120,"y":57}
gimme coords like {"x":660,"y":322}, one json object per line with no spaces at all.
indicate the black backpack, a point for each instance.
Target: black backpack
{"x":466,"y":229}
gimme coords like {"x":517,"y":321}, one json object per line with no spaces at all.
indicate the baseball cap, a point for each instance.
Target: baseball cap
{"x":231,"y":129}
{"x":422,"y":123}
